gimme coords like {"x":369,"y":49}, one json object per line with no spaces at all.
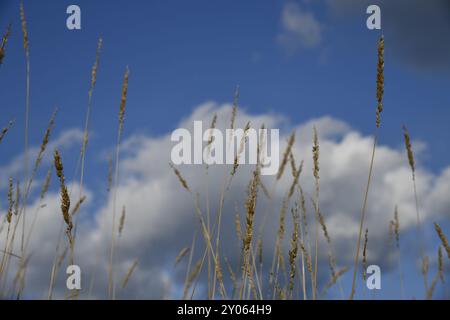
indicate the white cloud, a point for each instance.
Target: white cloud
{"x":160,"y":214}
{"x":300,"y":28}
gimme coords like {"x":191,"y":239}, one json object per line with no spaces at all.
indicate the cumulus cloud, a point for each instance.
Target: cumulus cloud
{"x":161,"y":220}
{"x":300,"y":28}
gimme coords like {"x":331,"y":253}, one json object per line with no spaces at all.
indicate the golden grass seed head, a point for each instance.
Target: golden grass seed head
{"x":6,"y":129}
{"x":235,"y":106}
{"x":286,"y":154}
{"x":95,"y":66}
{"x":241,"y":149}
{"x":10,"y":200}
{"x":396,"y":226}
{"x":250,"y":205}
{"x":24,"y":29}
{"x":183,"y":252}
{"x":46,"y":184}
{"x":294,"y":249}
{"x":380,"y":80}
{"x":441,"y":264}
{"x":364,"y":257}
{"x":65,"y":199}
{"x":17,"y":199}
{"x":129,"y":273}
{"x":315,"y":151}
{"x":409,"y":150}
{"x":307,"y":257}
{"x":4,"y":41}
{"x":237,"y":223}
{"x":180,"y":177}
{"x":324,"y":227}
{"x":123,"y":99}
{"x":122,"y":220}
{"x":443,"y":238}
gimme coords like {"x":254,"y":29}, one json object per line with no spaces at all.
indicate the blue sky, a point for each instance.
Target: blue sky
{"x":184,"y":53}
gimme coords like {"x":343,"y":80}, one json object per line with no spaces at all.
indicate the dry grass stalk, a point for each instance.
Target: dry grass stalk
{"x":432,"y":287}
{"x":7,"y":250}
{"x":4,"y":41}
{"x":307,"y":257}
{"x":250,"y":205}
{"x":183,"y":252}
{"x":88,"y":112}
{"x":110,"y":173}
{"x":237,"y":222}
{"x":129,"y":273}
{"x":77,"y":206}
{"x":278,"y":246}
{"x":232,"y":275}
{"x":380,"y":92}
{"x":41,"y":152}
{"x":264,"y":189}
{"x":191,"y":277}
{"x":331,"y":258}
{"x":37,"y":163}
{"x":296,"y":174}
{"x":316,"y":168}
{"x":293,"y":165}
{"x":61,"y":257}
{"x":6,"y":129}
{"x":27,"y":108}
{"x":396,"y":226}
{"x":425,"y":269}
{"x":208,"y":242}
{"x":443,"y":238}
{"x":46,"y":184}
{"x":411,"y":162}
{"x":286,"y":154}
{"x":334,"y":279}
{"x":123,"y":101}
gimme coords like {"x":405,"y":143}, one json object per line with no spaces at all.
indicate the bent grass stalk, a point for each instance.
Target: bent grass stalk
{"x":27,"y":109}
{"x":315,"y":151}
{"x":380,"y":92}
{"x":123,"y":101}
{"x":412,"y":165}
